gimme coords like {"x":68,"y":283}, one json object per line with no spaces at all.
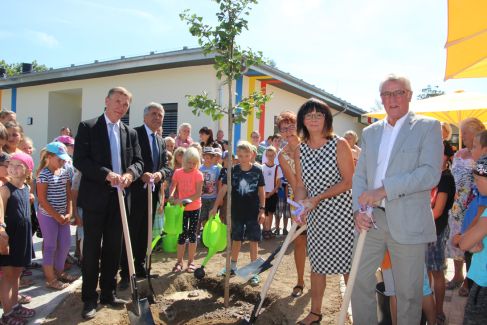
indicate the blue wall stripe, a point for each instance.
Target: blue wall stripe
{"x":237,"y":129}
{"x":14,"y":100}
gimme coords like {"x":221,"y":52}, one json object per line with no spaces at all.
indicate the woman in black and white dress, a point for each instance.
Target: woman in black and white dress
{"x":324,"y":170}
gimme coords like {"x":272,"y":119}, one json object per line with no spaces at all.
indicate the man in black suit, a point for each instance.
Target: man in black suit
{"x":107,"y":153}
{"x":153,"y":149}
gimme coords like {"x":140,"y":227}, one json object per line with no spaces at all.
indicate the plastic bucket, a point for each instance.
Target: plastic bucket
{"x":173,"y":223}
{"x":170,"y":243}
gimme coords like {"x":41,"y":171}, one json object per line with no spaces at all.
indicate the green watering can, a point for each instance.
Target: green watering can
{"x":173,"y":219}
{"x":215,"y":238}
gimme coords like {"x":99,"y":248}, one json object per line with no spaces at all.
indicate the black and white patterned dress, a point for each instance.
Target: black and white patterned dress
{"x":330,"y":224}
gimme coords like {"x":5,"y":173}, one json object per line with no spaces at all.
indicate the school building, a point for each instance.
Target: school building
{"x":46,"y":101}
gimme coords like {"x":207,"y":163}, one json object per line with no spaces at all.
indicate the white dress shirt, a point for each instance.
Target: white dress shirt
{"x":149,"y":136}
{"x":389,"y":135}
{"x":116,"y":129}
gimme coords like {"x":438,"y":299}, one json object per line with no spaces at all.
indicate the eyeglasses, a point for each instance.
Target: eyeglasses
{"x":314,"y":116}
{"x":291,"y":127}
{"x":395,"y":93}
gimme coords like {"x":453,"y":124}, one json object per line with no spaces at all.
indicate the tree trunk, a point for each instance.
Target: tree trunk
{"x":226,"y":294}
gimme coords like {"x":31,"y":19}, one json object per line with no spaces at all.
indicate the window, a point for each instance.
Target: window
{"x":170,"y":123}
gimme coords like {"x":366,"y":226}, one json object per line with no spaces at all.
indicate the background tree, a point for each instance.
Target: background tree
{"x":430,"y":91}
{"x":13,"y":69}
{"x":231,"y":62}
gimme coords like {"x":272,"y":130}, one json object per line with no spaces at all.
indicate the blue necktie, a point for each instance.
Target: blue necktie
{"x":116,"y":168}
{"x":155,"y":153}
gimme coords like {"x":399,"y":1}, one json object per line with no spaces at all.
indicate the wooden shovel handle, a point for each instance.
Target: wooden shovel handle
{"x":351,"y":279}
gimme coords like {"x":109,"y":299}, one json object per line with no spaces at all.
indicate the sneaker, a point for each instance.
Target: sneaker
{"x":224,"y":271}
{"x":23,"y":312}
{"x":285,"y":232}
{"x":255,"y":280}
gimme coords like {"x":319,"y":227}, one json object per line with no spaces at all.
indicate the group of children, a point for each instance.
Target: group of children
{"x":19,"y":191}
{"x":257,"y":191}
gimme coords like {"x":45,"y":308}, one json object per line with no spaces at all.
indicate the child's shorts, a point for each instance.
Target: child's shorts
{"x":283,"y":209}
{"x":79,"y":230}
{"x":390,"y":289}
{"x":250,"y":228}
{"x":206,"y":206}
{"x":435,"y":254}
{"x":271,"y":203}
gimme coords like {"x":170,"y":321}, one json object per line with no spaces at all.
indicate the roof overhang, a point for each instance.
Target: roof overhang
{"x":168,"y":60}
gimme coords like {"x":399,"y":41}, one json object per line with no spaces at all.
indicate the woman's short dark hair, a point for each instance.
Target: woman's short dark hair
{"x":209,"y":133}
{"x":317,"y":105}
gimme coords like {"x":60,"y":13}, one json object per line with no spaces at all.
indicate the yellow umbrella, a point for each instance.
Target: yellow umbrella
{"x":466,"y":46}
{"x":451,"y":108}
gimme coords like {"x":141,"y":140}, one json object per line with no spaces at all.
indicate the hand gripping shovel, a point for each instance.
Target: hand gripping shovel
{"x":278,"y":254}
{"x":139,"y":311}
{"x":353,"y":272}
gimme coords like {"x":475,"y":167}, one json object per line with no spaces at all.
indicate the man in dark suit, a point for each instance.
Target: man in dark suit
{"x":107,"y":153}
{"x":153,"y":149}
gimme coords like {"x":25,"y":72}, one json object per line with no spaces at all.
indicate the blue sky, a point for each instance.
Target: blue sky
{"x":342,"y":46}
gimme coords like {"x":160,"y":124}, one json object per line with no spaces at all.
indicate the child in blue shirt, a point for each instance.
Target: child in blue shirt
{"x":211,"y":172}
{"x":475,"y":241}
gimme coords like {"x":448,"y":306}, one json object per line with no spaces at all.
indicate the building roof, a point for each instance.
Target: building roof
{"x":168,"y":60}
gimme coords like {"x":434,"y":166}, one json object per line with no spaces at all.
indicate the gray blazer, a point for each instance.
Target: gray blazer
{"x":414,"y":169}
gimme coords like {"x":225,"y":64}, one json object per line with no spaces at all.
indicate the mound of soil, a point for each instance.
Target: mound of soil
{"x":182,"y":299}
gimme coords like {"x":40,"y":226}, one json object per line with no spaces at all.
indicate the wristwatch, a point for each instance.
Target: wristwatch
{"x":3,"y":225}
{"x":261,"y":208}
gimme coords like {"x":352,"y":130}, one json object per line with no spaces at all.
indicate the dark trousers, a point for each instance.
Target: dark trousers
{"x":98,"y":226}
{"x":138,"y":232}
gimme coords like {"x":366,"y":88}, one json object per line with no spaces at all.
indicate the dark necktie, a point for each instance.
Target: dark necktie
{"x":155,"y":153}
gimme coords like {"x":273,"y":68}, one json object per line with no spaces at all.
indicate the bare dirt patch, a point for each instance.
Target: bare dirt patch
{"x":182,"y":299}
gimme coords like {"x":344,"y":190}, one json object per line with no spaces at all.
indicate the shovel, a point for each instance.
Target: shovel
{"x":259,"y":265}
{"x":278,"y":254}
{"x":353,"y":272}
{"x":139,"y":311}
{"x":148,"y":260}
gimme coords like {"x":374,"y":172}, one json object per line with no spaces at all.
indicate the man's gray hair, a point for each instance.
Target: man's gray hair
{"x":396,"y":77}
{"x":152,"y":105}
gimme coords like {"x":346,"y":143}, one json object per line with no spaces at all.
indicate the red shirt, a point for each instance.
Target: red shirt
{"x":186,"y":186}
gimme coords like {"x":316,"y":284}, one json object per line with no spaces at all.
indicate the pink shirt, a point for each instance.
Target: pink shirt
{"x":186,"y":186}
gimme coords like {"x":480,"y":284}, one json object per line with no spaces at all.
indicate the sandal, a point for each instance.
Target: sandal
{"x":315,"y":322}
{"x":26,"y":273}
{"x":454,"y":284}
{"x":24,"y":299}
{"x":191,"y":268}
{"x":177,"y":268}
{"x":25,"y":283}
{"x":68,"y":278}
{"x":440,"y":319}
{"x":23,"y":312}
{"x":56,"y":285}
{"x":463,"y":292}
{"x":297,"y":291}
{"x":12,"y":320}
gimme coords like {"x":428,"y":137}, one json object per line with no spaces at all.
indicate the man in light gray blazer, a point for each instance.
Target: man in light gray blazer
{"x":399,"y":164}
